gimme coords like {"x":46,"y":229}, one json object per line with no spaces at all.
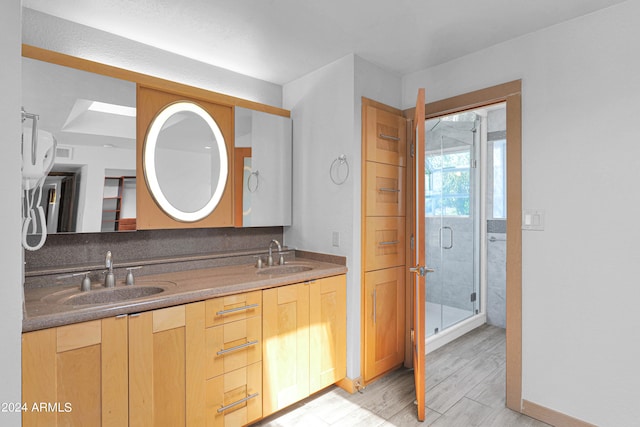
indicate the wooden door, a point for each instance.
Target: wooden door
{"x":79,"y":372}
{"x":419,"y":279}
{"x":285,"y":333}
{"x":327,"y":332}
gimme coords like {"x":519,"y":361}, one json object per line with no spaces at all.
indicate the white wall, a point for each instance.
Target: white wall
{"x":325,"y":107}
{"x":63,"y":36}
{"x":10,"y":250}
{"x":581,"y":90}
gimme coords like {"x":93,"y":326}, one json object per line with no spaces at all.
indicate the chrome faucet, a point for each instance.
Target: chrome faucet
{"x":270,"y":257}
{"x":109,"y":278}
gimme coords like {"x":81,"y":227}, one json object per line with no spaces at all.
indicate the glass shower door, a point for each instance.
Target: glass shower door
{"x":450,"y":216}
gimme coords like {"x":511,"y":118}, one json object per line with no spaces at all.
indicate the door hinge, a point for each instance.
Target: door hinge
{"x":474,"y":164}
{"x":412,"y":242}
{"x":412,"y":150}
{"x":473,"y":297}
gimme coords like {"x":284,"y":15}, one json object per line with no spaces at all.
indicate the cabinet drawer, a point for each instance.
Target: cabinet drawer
{"x":384,"y":242}
{"x":385,"y":190}
{"x":385,"y":135}
{"x":235,"y":398}
{"x":233,"y":345}
{"x":233,"y":307}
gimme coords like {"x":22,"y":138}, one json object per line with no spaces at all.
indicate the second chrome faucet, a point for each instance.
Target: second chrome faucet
{"x":109,"y":278}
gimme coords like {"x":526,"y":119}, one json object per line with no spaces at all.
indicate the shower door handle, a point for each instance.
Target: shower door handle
{"x":450,"y":237}
{"x":421,"y":271}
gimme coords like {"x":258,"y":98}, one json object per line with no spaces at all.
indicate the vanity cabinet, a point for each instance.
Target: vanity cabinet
{"x":304,"y":340}
{"x":78,"y":372}
{"x":226,"y":361}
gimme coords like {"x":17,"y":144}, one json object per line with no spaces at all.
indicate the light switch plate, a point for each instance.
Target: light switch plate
{"x":533,"y":219}
{"x":336,"y":239}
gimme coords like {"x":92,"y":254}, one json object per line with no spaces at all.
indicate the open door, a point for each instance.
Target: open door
{"x":419,"y":261}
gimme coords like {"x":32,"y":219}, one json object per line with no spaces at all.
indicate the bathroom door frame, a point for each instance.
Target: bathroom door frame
{"x":511,"y":94}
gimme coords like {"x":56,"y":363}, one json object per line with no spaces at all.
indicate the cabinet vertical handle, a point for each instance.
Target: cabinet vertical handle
{"x":231,"y":405}
{"x":233,"y":310}
{"x":374,"y":306}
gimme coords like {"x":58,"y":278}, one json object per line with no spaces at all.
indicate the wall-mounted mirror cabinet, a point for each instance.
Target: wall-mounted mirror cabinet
{"x":100,"y":116}
{"x":92,"y":186}
{"x":263,"y":168}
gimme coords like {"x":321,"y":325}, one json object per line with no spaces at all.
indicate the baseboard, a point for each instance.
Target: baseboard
{"x":350,"y":385}
{"x":550,"y":416}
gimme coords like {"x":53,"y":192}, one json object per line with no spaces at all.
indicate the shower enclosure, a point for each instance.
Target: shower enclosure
{"x":452,"y":220}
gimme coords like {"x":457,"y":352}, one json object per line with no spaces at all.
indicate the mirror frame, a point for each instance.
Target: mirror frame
{"x":148,"y":161}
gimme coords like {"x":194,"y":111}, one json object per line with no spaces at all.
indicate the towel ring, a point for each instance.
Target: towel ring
{"x":336,"y":166}
{"x":257,"y":181}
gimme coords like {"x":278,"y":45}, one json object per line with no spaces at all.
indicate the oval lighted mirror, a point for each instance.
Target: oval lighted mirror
{"x":185,"y":161}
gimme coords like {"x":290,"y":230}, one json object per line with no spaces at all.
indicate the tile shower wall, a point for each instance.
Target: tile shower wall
{"x":496,"y":272}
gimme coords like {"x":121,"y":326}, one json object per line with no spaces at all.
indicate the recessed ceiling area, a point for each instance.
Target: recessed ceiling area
{"x":282,"y":40}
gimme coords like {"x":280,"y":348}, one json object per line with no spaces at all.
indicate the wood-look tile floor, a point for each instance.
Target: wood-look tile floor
{"x":465,"y":388}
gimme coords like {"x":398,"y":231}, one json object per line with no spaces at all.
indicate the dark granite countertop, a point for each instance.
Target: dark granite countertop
{"x":44,"y":308}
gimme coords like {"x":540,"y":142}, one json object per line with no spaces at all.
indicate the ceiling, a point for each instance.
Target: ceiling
{"x":282,"y":40}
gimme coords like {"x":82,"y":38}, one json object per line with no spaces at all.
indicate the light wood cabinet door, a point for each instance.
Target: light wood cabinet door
{"x":385,"y":242}
{"x":385,"y":137}
{"x":234,"y":399}
{"x":285,"y":333}
{"x":166,"y":370}
{"x":327,"y":332}
{"x":385,"y":186}
{"x":233,"y":345}
{"x":384,"y":320}
{"x":81,"y":368}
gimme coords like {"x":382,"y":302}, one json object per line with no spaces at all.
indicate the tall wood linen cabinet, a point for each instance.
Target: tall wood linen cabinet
{"x":384,"y":137}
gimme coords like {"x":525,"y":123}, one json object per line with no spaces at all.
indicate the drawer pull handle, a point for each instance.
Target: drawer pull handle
{"x":389,"y":190}
{"x":392,"y":138}
{"x":238,"y":347}
{"x":233,"y":310}
{"x":231,"y":405}
{"x":391,"y":242}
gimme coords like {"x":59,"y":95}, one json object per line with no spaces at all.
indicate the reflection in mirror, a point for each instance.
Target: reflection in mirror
{"x":263,"y":150}
{"x":185,"y":161}
{"x":92,"y":117}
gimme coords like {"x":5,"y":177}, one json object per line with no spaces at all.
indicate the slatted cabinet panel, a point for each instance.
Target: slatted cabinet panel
{"x":385,"y":242}
{"x":327,"y":332}
{"x":385,"y":137}
{"x":384,"y":237}
{"x":82,"y":368}
{"x":384,"y":317}
{"x":233,"y":359}
{"x":161,"y":348}
{"x":385,"y":190}
{"x":285,"y":331}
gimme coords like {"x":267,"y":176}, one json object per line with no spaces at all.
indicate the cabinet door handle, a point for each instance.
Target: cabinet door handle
{"x":238,"y":347}
{"x":392,"y":138}
{"x":390,"y":242}
{"x":231,"y":405}
{"x":374,"y":306}
{"x":389,"y":190}
{"x":234,"y":310}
